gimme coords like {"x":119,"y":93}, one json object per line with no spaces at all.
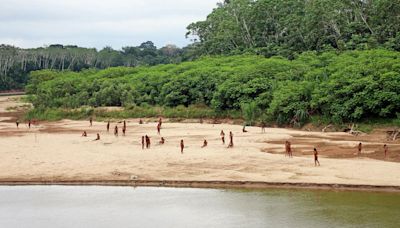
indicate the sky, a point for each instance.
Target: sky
{"x":99,"y":23}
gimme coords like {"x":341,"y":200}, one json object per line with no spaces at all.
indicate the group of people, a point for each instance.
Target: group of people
{"x":385,"y":149}
{"x":116,"y":128}
{"x":146,"y":139}
{"x":146,"y":143}
{"x":289,"y":152}
{"x":30,"y":122}
{"x":222,"y":134}
{"x":84,"y":134}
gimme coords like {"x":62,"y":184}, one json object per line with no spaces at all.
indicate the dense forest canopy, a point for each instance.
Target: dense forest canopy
{"x":287,"y":27}
{"x":349,"y":86}
{"x":275,"y":60}
{"x":263,"y":27}
{"x":16,"y":63}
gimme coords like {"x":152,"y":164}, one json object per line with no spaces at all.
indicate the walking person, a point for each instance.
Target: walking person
{"x":316,"y":157}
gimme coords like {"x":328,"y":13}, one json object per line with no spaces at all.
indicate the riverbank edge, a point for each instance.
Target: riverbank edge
{"x":207,"y":184}
{"x":10,"y":94}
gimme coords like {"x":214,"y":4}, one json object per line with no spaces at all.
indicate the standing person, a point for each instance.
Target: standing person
{"x":230,"y":140}
{"x":123,"y":131}
{"x":116,"y":130}
{"x":205,"y":143}
{"x":386,"y":149}
{"x":91,"y":121}
{"x":158,"y":128}
{"x":359,"y":148}
{"x":222,"y":134}
{"x":286,"y":148}
{"x":160,"y":122}
{"x":182,"y":146}
{"x":316,"y":157}
{"x":29,"y":124}
{"x":108,"y":126}
{"x":147,"y":142}
{"x":142,"y":142}
{"x":263,"y":125}
{"x":290,"y":152}
{"x":17,"y":123}
{"x":125,"y":124}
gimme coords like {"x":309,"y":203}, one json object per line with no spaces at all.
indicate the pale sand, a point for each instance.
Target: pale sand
{"x":57,"y":152}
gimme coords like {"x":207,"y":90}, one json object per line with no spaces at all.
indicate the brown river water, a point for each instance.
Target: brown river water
{"x":94,"y":206}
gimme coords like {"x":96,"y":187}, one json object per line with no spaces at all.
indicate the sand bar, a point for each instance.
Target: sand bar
{"x":55,"y":153}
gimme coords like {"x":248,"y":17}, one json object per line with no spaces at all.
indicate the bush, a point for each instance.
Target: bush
{"x":341,"y":87}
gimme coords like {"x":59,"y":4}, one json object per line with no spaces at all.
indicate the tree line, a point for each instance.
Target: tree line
{"x":288,"y":27}
{"x":261,"y":27}
{"x":16,"y":63}
{"x":339,"y":86}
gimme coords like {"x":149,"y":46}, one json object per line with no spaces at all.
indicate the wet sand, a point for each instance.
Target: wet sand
{"x":55,"y":152}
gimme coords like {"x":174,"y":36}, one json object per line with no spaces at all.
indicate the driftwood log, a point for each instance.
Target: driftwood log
{"x":393,"y":135}
{"x":324,"y":129}
{"x":351,"y":130}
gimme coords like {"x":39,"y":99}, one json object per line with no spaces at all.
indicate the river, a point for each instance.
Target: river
{"x":93,"y":206}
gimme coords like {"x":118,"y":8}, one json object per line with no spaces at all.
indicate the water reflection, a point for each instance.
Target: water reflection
{"x":62,"y":206}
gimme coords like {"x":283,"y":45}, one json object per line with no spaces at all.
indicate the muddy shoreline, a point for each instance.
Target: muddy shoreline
{"x":55,"y":153}
{"x":205,"y":184}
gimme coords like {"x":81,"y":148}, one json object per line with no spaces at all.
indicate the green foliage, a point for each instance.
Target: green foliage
{"x":17,"y":63}
{"x":250,"y":112}
{"x":253,"y":27}
{"x":361,"y":85}
{"x":338,"y":87}
{"x":291,"y":102}
{"x":58,"y":114}
{"x":179,"y":112}
{"x":288,"y":27}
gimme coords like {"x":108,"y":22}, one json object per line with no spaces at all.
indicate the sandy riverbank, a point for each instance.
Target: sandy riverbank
{"x":56,"y":153}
